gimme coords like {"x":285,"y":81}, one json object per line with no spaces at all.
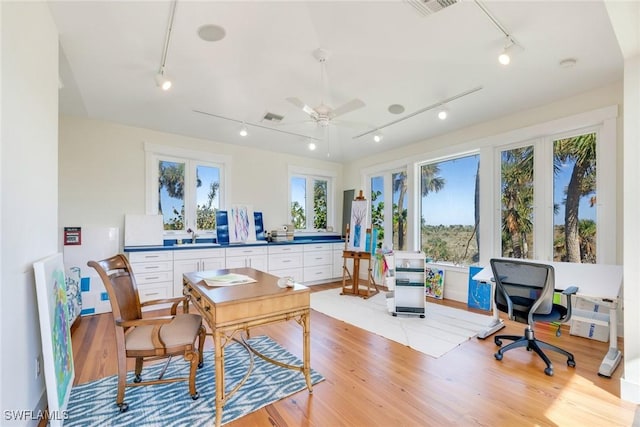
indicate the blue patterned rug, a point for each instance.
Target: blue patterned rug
{"x":93,"y":404}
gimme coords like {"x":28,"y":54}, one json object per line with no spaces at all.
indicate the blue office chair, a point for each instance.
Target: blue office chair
{"x":525,"y":290}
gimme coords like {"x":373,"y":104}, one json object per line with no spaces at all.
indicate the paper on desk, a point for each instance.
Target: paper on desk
{"x":228,"y":280}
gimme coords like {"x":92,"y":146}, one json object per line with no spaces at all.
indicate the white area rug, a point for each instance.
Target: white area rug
{"x":442,"y":329}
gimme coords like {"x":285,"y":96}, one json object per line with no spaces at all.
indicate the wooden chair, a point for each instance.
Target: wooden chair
{"x":148,"y":338}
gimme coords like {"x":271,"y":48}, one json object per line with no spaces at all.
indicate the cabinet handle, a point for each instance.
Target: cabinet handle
{"x":151,"y":256}
{"x":152,"y":267}
{"x":152,"y":278}
{"x":152,"y":294}
{"x":286,"y":260}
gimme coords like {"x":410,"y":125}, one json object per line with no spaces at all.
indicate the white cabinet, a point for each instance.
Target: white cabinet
{"x":247,"y":256}
{"x":287,"y":260}
{"x":318,"y":262}
{"x":190,"y":260}
{"x":409,"y":292}
{"x":153,"y":272}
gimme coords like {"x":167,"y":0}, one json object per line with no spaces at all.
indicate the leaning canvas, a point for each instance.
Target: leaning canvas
{"x":358,"y":226}
{"x":56,"y":335}
{"x":434,"y":282}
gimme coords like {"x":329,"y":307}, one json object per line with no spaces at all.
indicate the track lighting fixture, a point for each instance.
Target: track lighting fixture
{"x":243,"y":130}
{"x":161,"y":78}
{"x":312,"y":146}
{"x":378,"y":137}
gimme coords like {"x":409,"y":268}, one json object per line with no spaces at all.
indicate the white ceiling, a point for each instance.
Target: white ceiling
{"x":382,"y":52}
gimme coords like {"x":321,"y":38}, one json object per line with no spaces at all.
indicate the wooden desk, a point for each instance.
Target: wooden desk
{"x":351,"y":280}
{"x":233,"y":310}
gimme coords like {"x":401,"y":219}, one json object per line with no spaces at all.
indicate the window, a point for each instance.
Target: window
{"x":310,"y":200}
{"x":377,"y":207}
{"x":449,"y":207}
{"x":186,"y":191}
{"x":574,"y":199}
{"x":399,"y":212}
{"x":389,"y":200}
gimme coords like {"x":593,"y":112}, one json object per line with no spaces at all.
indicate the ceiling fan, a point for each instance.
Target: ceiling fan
{"x":324,"y":114}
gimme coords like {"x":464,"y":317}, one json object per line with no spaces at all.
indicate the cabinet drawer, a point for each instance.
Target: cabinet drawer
{"x":198,"y":253}
{"x":155,"y":291}
{"x":280,"y":261}
{"x":311,"y":274}
{"x":150,"y":256}
{"x":318,"y":258}
{"x":155,"y":277}
{"x":244,"y":251}
{"x":151,"y":267}
{"x":285,"y":249}
{"x":318,"y":247}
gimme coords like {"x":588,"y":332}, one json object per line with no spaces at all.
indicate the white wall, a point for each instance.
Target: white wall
{"x":456,"y":279}
{"x":29,"y":191}
{"x":102,"y":174}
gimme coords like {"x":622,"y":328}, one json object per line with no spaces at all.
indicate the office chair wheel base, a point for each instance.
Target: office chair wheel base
{"x":123,"y":407}
{"x":497,"y":341}
{"x":571,"y":363}
{"x":137,"y":379}
{"x":498,"y":356}
{"x":548,"y":371}
{"x":195,"y":396}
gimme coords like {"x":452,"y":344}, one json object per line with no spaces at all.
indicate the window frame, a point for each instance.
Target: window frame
{"x":155,"y":153}
{"x":310,"y":175}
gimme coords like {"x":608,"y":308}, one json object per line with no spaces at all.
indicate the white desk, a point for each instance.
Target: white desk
{"x":599,"y":283}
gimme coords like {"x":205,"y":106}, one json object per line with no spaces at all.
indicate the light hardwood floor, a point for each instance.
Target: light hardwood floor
{"x":371,"y":381}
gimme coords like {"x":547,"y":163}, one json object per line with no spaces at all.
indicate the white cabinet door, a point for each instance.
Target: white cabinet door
{"x":213,"y":263}
{"x":179,"y":268}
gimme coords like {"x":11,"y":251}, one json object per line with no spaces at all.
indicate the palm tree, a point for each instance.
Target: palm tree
{"x":517,"y":198}
{"x":582,"y":150}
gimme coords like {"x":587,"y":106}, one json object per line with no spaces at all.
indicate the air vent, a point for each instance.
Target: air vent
{"x":273,"y":118}
{"x":427,"y":7}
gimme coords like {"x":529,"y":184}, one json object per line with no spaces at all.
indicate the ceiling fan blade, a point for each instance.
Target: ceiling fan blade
{"x":304,"y":107}
{"x":350,"y":106}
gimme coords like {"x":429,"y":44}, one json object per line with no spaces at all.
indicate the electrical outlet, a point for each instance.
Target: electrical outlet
{"x":38,"y":366}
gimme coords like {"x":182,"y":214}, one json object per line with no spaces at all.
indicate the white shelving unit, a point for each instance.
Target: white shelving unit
{"x":409,"y":292}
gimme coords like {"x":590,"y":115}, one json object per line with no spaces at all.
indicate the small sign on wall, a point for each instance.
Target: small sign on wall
{"x":72,"y":236}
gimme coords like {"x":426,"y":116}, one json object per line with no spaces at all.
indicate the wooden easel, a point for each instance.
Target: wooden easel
{"x":351,"y":283}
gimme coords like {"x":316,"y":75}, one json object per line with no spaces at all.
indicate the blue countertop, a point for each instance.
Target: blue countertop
{"x":211,"y":245}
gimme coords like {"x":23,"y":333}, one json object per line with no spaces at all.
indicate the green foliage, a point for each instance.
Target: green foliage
{"x":377,"y":216}
{"x":319,"y":205}
{"x":298,"y":217}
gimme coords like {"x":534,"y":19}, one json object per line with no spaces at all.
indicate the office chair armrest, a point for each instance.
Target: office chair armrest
{"x":174,"y":301}
{"x":571,"y":290}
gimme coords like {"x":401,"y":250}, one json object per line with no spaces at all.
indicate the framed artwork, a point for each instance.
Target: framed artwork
{"x":358,"y":226}
{"x":56,"y":334}
{"x":242,"y":227}
{"x":434,"y":285}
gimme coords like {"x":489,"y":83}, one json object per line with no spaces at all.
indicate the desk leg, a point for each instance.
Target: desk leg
{"x":613,"y":356}
{"x":219,"y":372}
{"x":306,"y":349}
{"x":496,"y":323}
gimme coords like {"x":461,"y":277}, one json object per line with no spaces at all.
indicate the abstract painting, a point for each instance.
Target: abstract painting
{"x":358,"y":225}
{"x":242,"y":227}
{"x":56,"y":335}
{"x":434,"y":282}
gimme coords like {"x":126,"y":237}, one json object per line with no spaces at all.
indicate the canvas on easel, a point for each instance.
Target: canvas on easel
{"x":358,"y":224}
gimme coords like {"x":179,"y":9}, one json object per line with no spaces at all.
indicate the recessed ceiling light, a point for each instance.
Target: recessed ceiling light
{"x":396,"y":109}
{"x":211,"y":33}
{"x":568,"y":63}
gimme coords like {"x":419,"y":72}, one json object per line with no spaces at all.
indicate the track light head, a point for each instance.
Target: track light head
{"x":312,"y":146}
{"x":243,"y":131}
{"x":505,"y":56}
{"x":377,"y":137}
{"x":443,"y":113}
{"x":162,"y":81}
